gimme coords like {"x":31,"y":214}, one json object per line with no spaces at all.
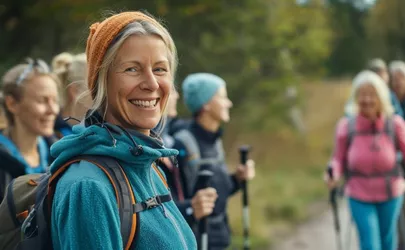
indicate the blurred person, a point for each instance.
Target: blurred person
{"x":132,"y":62}
{"x":205,"y":96}
{"x":61,"y":62}
{"x":397,"y":75}
{"x":365,"y":153}
{"x":378,"y":66}
{"x":3,"y":122}
{"x":72,"y":76}
{"x":170,"y":126}
{"x":397,"y":72}
{"x":172,"y":123}
{"x":31,"y":105}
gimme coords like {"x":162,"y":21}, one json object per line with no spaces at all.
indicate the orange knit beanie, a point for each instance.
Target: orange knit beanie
{"x":100,"y":37}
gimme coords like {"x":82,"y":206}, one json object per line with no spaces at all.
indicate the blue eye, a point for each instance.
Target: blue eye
{"x":160,"y":70}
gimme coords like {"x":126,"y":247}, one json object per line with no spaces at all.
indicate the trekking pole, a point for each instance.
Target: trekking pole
{"x":204,"y":177}
{"x":244,"y":151}
{"x":334,"y":204}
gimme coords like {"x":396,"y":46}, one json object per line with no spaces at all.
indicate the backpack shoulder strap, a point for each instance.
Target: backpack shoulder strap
{"x":389,"y":129}
{"x":123,"y":191}
{"x":189,"y":141}
{"x":193,"y":159}
{"x":156,"y":168}
{"x":351,"y":130}
{"x":220,"y":149}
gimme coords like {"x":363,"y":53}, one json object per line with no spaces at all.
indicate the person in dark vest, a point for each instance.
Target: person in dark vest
{"x":200,"y":148}
{"x":167,"y":128}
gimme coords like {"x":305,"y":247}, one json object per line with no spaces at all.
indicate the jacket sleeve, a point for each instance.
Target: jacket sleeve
{"x":235,"y":184}
{"x":85,"y":216}
{"x":340,"y":148}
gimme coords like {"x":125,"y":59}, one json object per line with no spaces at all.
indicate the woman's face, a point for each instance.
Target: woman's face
{"x":368,"y":101}
{"x":218,"y":107}
{"x":139,"y":83}
{"x":37,"y":109}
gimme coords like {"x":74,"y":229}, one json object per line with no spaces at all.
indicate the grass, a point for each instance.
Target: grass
{"x":289,"y":168}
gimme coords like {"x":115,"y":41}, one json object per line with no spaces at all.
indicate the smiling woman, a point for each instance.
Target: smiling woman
{"x":131,"y":63}
{"x":140,"y":83}
{"x":30,"y":105}
{"x":366,"y":147}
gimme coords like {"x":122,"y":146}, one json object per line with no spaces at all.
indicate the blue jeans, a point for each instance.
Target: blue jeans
{"x":377,"y":223}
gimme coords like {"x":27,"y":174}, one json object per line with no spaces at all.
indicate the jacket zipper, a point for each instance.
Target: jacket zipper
{"x":167,"y":213}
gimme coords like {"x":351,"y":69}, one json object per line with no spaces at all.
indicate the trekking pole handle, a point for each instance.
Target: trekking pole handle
{"x":333,"y":192}
{"x":204,"y":177}
{"x":244,"y":151}
{"x":330,"y":172}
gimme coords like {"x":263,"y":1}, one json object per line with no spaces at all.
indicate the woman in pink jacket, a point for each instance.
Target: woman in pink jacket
{"x":365,"y":153}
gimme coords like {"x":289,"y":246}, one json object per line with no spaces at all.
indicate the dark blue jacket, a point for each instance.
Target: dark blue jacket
{"x":225,"y":184}
{"x":13,"y":164}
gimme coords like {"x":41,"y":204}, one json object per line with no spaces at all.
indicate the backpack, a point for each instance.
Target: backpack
{"x":25,"y":212}
{"x":194,"y":161}
{"x":389,"y":130}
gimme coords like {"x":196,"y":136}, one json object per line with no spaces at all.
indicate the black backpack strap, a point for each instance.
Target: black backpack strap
{"x":125,"y":197}
{"x":351,"y":131}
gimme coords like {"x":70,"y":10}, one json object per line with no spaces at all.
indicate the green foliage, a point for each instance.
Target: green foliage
{"x":350,"y":47}
{"x":259,"y":47}
{"x":386,"y":29}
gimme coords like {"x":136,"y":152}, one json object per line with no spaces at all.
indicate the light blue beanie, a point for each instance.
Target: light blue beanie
{"x":199,"y":88}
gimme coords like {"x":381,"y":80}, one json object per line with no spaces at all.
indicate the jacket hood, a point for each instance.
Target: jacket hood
{"x":128,"y":146}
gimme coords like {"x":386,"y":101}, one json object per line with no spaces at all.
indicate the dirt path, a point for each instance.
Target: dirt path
{"x":318,"y":234}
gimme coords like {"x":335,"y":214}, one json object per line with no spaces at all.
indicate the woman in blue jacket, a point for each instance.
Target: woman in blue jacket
{"x":131,"y":65}
{"x":30,"y":104}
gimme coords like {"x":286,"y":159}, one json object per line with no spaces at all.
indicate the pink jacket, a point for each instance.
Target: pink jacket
{"x":363,"y":157}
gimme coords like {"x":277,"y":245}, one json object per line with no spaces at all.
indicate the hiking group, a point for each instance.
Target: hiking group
{"x":368,"y":156}
{"x":121,"y":171}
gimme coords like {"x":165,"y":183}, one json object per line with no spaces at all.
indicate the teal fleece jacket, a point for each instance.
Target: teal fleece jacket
{"x":84,"y":210}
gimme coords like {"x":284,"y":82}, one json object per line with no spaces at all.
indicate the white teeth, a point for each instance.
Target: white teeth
{"x":144,"y":104}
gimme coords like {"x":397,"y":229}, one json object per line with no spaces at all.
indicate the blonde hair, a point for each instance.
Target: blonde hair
{"x":368,"y":77}
{"x":73,"y":71}
{"x":61,"y":62}
{"x":377,"y":64}
{"x":142,"y":28}
{"x":14,"y":80}
{"x":397,"y":66}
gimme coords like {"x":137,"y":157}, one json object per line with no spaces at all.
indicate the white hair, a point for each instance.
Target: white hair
{"x":396,"y":66}
{"x":368,"y":77}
